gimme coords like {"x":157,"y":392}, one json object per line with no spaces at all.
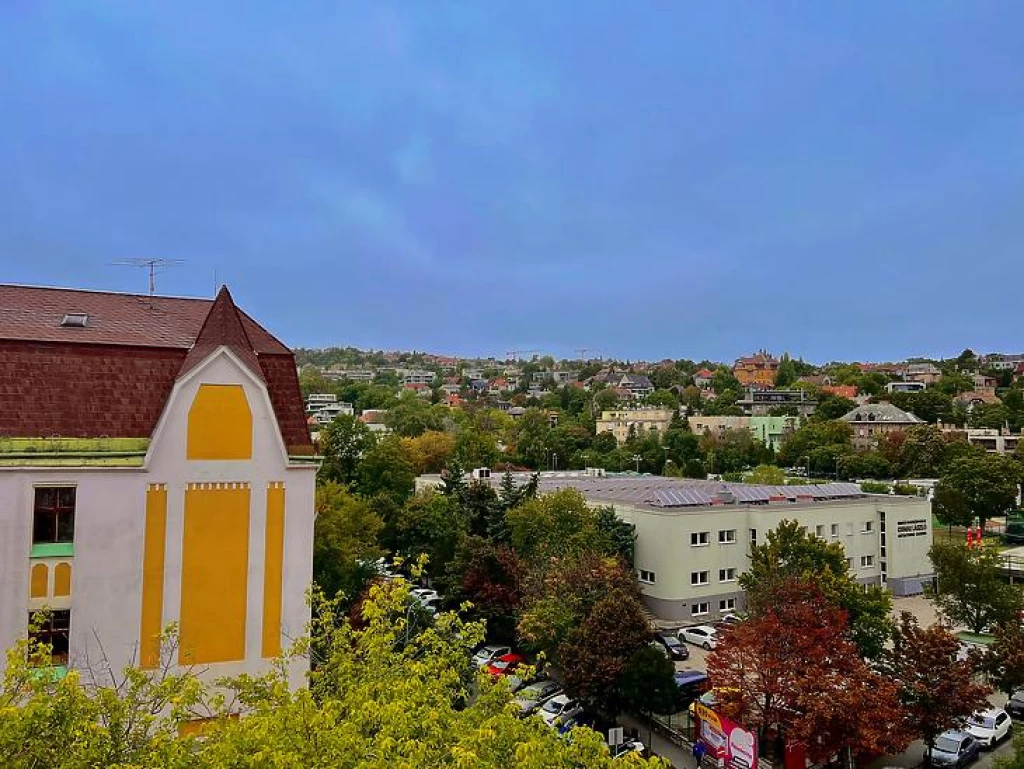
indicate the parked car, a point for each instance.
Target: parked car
{"x":505,"y":664}
{"x":989,"y":726}
{"x":704,"y":636}
{"x":955,"y":749}
{"x":486,"y":654}
{"x":558,"y":706}
{"x":691,"y":684}
{"x":671,"y":646}
{"x":731,"y":619}
{"x":586,"y":718}
{"x":1015,"y":705}
{"x":425,"y":594}
{"x":627,"y":747}
{"x":531,"y":697}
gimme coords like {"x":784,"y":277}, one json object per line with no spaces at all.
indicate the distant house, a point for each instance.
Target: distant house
{"x":641,"y":422}
{"x":498,"y":386}
{"x":843,"y":391}
{"x":983,"y":383}
{"x":772,"y":431}
{"x":977,"y":398}
{"x":873,"y":420}
{"x":703,"y":378}
{"x":374,"y":420}
{"x":926,"y":373}
{"x":1002,"y":362}
{"x":479,"y":385}
{"x":421,"y":390}
{"x":905,"y":387}
{"x":993,"y":441}
{"x":756,"y":370}
{"x":760,"y":402}
{"x":635,"y":385}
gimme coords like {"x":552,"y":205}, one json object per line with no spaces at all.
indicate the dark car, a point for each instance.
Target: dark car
{"x":1015,"y":705}
{"x":673,"y":647}
{"x":690,"y":685}
{"x":954,"y":750}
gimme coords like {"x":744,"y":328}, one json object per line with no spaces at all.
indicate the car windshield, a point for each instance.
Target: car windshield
{"x":984,"y":722}
{"x":670,"y":641}
{"x":552,"y":706}
{"x":947,"y":744}
{"x":501,"y":664}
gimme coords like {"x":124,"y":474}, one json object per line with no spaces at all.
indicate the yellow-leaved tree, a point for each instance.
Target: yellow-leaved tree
{"x":388,"y":691}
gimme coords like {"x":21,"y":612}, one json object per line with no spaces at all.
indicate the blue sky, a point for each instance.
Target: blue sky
{"x":647,"y":180}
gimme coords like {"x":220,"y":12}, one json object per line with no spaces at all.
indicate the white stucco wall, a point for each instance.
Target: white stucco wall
{"x":663,"y":544}
{"x":110,"y":523}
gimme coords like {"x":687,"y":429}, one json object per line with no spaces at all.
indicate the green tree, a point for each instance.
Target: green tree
{"x":555,"y":524}
{"x":489,"y":576}
{"x":970,"y":587}
{"x":819,"y":442}
{"x":598,"y":650}
{"x":986,"y":486}
{"x":531,"y":435}
{"x":648,"y":684}
{"x":430,"y":524}
{"x":385,"y":469}
{"x":344,"y":541}
{"x":831,"y":406}
{"x":923,"y":453}
{"x":867,"y":464}
{"x":767,"y":474}
{"x":665,"y":399}
{"x":786,"y":374}
{"x":619,"y":535}
{"x":342,"y":444}
{"x":791,"y":553}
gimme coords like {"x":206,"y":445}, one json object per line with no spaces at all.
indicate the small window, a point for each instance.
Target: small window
{"x":753,"y":536}
{"x":700,"y":538}
{"x":727,"y":604}
{"x":867,"y":561}
{"x":75,"y":320}
{"x":647,"y":577}
{"x":54,"y":632}
{"x":727,"y":536}
{"x":835,"y":530}
{"x":819,"y":531}
{"x":699,"y":578}
{"x":868,"y":527}
{"x":53,"y":515}
{"x":700,"y":608}
{"x":727,"y":575}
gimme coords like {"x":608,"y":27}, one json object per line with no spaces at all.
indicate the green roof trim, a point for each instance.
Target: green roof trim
{"x":73,"y":452}
{"x":52,"y":550}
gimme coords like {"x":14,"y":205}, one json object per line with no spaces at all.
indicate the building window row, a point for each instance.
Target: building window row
{"x":53,"y":515}
{"x":725,"y":537}
{"x":699,"y":609}
{"x":727,"y":575}
{"x":647,"y":577}
{"x":727,"y":604}
{"x":699,"y":577}
{"x":52,"y":630}
{"x":867,"y":527}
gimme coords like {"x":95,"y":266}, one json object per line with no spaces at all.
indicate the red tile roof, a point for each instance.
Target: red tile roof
{"x":843,"y":391}
{"x":112,"y":377}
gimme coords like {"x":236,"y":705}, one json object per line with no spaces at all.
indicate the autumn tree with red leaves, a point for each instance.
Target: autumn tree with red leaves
{"x":792,"y":669}
{"x":938,"y":690}
{"x":489,"y":576}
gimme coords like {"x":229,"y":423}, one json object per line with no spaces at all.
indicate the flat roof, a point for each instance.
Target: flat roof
{"x":662,"y":493}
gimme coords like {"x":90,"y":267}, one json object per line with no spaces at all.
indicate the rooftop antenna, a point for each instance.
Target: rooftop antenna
{"x":153,"y":265}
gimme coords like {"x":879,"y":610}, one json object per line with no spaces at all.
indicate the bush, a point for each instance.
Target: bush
{"x":874,"y":487}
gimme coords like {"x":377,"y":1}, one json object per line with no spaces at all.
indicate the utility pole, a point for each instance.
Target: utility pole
{"x":153,"y":266}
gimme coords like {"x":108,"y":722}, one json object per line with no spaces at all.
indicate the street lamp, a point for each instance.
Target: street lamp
{"x":637,"y":458}
{"x":554,"y":462}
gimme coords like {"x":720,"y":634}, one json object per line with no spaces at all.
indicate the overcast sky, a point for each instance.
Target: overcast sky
{"x":644,"y":179}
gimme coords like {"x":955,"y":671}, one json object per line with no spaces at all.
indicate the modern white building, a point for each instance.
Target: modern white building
{"x":155,"y":467}
{"x":693,"y":538}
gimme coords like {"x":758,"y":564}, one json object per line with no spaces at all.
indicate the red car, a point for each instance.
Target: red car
{"x":505,"y":665}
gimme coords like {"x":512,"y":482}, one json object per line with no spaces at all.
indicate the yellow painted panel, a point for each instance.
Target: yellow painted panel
{"x":219,"y":424}
{"x":62,"y":580}
{"x":214,"y":572}
{"x":39,"y":586}
{"x":151,"y":623}
{"x":273,"y":571}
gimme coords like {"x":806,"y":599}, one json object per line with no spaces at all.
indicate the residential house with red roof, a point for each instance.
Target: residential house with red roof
{"x":156,"y":467}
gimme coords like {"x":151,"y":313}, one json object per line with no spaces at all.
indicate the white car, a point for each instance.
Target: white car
{"x":424,"y":594}
{"x":560,"y":705}
{"x":486,"y":655}
{"x":989,"y":726}
{"x":704,"y":636}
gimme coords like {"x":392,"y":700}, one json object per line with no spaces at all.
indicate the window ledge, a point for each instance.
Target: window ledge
{"x":53,"y":550}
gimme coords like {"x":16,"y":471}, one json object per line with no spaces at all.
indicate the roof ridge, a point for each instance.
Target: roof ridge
{"x":107,"y":291}
{"x":223,"y":327}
